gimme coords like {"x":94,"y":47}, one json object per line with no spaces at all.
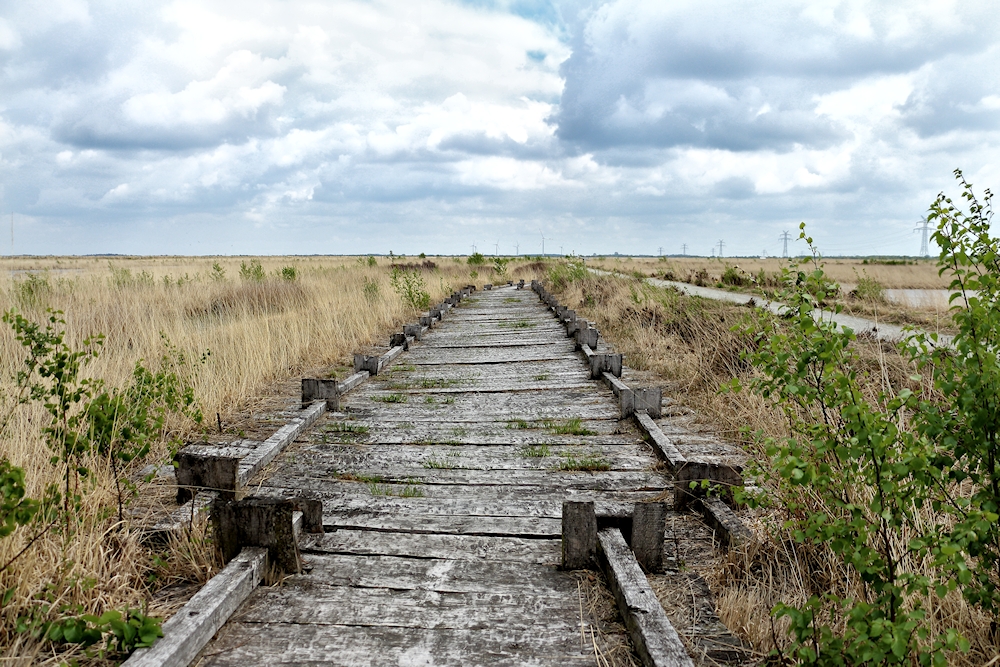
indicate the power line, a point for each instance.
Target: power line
{"x":684,"y":249}
{"x":721,"y":244}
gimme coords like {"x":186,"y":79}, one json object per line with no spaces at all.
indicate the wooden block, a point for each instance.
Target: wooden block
{"x":399,"y":340}
{"x":720,"y":476}
{"x":435,"y":313}
{"x":648,"y":400}
{"x":579,"y":535}
{"x":258,"y":522}
{"x":312,"y":514}
{"x":587,"y":336}
{"x":487,"y":286}
{"x":205,"y":471}
{"x":605,"y":363}
{"x":364,"y":362}
{"x":320,"y":389}
{"x":413,"y":330}
{"x":648,"y":525}
{"x":654,"y":638}
{"x":426,"y":320}
{"x":190,"y":629}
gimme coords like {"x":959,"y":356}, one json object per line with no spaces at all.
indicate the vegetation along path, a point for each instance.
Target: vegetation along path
{"x":442,"y":481}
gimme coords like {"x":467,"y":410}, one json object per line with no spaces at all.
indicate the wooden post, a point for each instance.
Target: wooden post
{"x":412,"y":330}
{"x":605,"y":363}
{"x":204,"y":470}
{"x":649,"y":400}
{"x":312,"y":514}
{"x":426,"y":320}
{"x":579,"y":535}
{"x":320,"y":389}
{"x":399,"y":340}
{"x":724,"y":477}
{"x":587,"y":336}
{"x":257,"y":522}
{"x":648,"y":524}
{"x":363,"y":362}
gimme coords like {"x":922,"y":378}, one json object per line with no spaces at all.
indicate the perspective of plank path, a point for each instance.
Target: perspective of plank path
{"x":442,"y":481}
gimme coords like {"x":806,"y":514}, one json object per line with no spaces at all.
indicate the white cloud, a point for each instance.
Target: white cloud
{"x":632,"y":115}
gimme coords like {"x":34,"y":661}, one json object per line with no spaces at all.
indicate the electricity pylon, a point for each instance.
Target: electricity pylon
{"x":784,"y":237}
{"x":923,"y":226}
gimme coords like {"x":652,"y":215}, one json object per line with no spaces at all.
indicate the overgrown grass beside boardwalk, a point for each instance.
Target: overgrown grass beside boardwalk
{"x":877,"y":534}
{"x":230,"y":330}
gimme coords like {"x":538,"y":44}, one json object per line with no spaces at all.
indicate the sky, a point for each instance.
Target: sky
{"x":439,"y":126}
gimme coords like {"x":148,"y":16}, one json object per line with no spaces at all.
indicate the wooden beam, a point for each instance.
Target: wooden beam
{"x":187,"y":631}
{"x":654,"y":638}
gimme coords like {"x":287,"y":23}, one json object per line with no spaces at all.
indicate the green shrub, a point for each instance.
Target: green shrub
{"x":903,"y":486}
{"x":252,"y":272}
{"x":476,"y":259}
{"x":32,"y":291}
{"x":869,"y":289}
{"x":288,"y":273}
{"x":563,"y":273}
{"x":409,"y":285}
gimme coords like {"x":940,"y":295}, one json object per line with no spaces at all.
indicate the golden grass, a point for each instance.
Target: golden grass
{"x":690,"y":347}
{"x":922,"y":274}
{"x":257,"y":333}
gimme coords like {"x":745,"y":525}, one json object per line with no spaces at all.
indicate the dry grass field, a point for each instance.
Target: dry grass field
{"x":691,"y":347}
{"x":285,"y":317}
{"x":915,"y":274}
{"x":895,"y":291}
{"x":294,"y":316}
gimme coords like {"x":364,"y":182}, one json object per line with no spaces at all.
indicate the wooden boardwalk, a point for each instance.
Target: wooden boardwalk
{"x":442,"y":481}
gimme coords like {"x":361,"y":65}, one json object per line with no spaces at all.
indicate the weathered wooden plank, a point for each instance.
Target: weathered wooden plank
{"x":664,"y":446}
{"x":187,"y":631}
{"x":654,"y":639}
{"x":445,"y":547}
{"x":446,"y":576}
{"x":599,"y":480}
{"x":376,"y":457}
{"x":454,"y":432}
{"x":303,"y":600}
{"x":527,"y":527}
{"x":267,"y":450}
{"x":312,"y":645}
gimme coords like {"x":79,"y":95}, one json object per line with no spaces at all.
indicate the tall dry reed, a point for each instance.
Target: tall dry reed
{"x":257,"y":332}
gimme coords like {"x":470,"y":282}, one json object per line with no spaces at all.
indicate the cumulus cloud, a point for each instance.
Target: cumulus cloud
{"x":606,"y":123}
